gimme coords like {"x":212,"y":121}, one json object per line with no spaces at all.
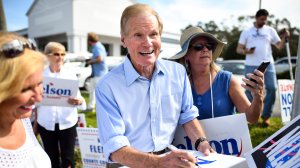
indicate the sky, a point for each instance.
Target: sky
{"x":177,"y":14}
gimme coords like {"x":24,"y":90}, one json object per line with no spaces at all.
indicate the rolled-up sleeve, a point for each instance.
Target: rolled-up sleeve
{"x":110,"y":124}
{"x":188,"y":110}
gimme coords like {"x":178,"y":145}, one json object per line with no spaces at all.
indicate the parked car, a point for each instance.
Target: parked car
{"x":237,"y":67}
{"x":282,"y":64}
{"x":77,"y":64}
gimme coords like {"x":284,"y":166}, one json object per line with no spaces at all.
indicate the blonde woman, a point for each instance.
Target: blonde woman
{"x":57,"y":124}
{"x":216,"y":92}
{"x":20,"y":88}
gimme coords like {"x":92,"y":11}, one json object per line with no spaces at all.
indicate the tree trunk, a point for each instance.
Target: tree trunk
{"x":2,"y":18}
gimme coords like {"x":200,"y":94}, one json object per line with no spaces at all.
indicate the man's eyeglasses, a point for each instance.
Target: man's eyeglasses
{"x":16,"y":47}
{"x":200,"y":47}
{"x":257,"y":33}
{"x":58,"y":54}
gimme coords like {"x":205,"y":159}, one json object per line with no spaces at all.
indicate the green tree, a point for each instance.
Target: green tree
{"x":231,"y":35}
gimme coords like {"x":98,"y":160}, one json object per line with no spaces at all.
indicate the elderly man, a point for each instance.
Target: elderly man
{"x":140,"y":103}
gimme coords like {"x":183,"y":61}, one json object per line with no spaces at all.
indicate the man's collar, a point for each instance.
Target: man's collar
{"x":131,"y":74}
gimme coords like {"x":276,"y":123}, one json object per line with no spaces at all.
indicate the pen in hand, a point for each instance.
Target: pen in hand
{"x":174,"y":148}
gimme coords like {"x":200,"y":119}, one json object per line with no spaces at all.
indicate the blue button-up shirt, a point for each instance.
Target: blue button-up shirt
{"x":101,"y":68}
{"x":135,"y":111}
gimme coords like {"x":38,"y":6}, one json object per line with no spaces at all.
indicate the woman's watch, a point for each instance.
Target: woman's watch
{"x":199,"y":141}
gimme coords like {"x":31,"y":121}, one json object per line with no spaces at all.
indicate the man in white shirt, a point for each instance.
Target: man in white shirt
{"x":255,"y":42}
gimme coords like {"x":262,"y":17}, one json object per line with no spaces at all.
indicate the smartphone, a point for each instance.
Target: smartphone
{"x":262,"y":67}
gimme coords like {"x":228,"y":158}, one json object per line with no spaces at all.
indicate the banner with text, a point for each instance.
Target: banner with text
{"x":57,"y":91}
{"x":91,"y":150}
{"x":280,"y":150}
{"x":286,"y":92}
{"x":227,"y":135}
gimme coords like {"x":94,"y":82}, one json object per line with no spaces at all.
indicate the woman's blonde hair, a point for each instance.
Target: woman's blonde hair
{"x":14,"y":71}
{"x":213,"y":65}
{"x":135,"y":10}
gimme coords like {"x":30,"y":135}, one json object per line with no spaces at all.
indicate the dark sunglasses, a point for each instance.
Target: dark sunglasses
{"x":58,"y":54}
{"x":200,"y":47}
{"x":16,"y":47}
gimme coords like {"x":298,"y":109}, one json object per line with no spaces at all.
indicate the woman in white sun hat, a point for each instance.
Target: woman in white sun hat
{"x":216,"y":92}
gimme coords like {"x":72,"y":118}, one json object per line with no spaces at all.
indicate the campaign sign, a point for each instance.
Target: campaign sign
{"x":91,"y":150}
{"x":228,"y":135}
{"x":286,"y":91}
{"x":280,"y":150}
{"x":57,"y":91}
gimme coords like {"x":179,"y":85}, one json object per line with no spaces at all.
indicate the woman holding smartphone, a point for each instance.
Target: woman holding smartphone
{"x":216,"y":92}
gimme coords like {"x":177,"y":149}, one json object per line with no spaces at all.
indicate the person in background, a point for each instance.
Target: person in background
{"x":140,"y":103}
{"x":216,"y":92}
{"x":255,"y":42}
{"x":99,"y":66}
{"x":56,"y":124}
{"x":20,"y":89}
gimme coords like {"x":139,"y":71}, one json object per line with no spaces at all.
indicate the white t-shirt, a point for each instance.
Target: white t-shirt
{"x":66,"y":117}
{"x":261,"y":39}
{"x":29,"y":155}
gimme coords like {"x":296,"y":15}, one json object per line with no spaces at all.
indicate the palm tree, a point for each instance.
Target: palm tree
{"x":2,"y":18}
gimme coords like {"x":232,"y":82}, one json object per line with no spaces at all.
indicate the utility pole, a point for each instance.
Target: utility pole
{"x":259,"y":4}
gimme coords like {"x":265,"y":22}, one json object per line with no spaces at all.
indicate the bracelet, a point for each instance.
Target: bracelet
{"x":199,"y":141}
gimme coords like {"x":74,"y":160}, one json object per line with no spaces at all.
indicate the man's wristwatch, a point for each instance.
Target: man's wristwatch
{"x":199,"y":141}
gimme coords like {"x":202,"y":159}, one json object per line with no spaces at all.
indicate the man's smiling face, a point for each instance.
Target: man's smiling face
{"x":142,"y":39}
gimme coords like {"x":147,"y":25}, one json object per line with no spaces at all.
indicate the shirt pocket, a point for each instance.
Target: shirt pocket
{"x":171,"y":107}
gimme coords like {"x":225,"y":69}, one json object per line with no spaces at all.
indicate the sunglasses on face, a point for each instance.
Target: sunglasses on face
{"x":200,"y":47}
{"x":58,"y":54}
{"x":16,"y":47}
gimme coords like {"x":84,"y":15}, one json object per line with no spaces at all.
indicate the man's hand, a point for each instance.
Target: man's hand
{"x":284,"y":33}
{"x":205,"y":148}
{"x":177,"y":158}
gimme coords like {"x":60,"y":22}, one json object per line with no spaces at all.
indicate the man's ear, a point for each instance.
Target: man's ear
{"x":123,"y":41}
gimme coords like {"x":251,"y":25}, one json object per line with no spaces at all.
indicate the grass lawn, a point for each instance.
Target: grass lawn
{"x":259,"y":134}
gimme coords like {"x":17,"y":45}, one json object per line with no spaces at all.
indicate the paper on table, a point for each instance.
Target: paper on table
{"x":215,"y":160}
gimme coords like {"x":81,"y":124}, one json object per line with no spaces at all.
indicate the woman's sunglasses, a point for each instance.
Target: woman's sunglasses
{"x":58,"y":54}
{"x":16,"y":47}
{"x":200,"y":47}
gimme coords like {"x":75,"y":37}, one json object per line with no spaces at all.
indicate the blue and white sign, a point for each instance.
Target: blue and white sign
{"x":282,"y":149}
{"x":228,"y":135}
{"x":57,"y":91}
{"x":91,"y":150}
{"x":286,"y":92}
